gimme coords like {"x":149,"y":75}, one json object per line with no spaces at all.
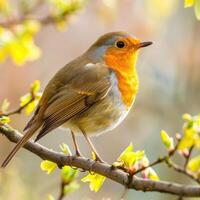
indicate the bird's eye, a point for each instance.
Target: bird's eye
{"x":120,"y":44}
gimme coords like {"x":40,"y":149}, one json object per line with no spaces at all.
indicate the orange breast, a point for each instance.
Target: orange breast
{"x":123,"y":64}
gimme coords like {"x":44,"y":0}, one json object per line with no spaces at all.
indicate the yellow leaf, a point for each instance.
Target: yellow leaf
{"x":25,"y":99}
{"x":48,"y":166}
{"x":167,"y":141}
{"x":35,"y":86}
{"x":5,"y":105}
{"x":194,"y":164}
{"x":128,"y":157}
{"x":188,"y":3}
{"x":95,"y":181}
{"x":191,"y":130}
{"x":187,"y":141}
{"x":4,"y":120}
{"x":31,"y":107}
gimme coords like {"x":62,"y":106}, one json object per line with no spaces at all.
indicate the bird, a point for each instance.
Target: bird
{"x":90,"y":95}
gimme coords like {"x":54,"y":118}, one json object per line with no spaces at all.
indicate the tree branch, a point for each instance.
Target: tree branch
{"x":104,"y":169}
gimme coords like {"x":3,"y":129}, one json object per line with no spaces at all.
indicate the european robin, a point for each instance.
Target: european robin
{"x":91,"y":94}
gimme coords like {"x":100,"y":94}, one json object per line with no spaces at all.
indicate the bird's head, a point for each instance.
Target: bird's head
{"x":118,"y":50}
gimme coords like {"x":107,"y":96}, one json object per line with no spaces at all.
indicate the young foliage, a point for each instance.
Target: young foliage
{"x":191,"y":132}
{"x":18,"y":43}
{"x":31,"y":99}
{"x":95,"y":181}
{"x":128,"y":157}
{"x":194,"y":164}
{"x":167,"y":141}
{"x":67,"y":173}
{"x":48,"y":166}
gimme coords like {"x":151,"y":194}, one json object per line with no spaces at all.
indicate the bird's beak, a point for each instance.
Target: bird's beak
{"x":142,"y":44}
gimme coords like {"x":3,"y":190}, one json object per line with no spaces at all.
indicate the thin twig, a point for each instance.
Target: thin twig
{"x":159,"y":160}
{"x":187,"y":158}
{"x":18,"y":110}
{"x":177,"y":168}
{"x":62,"y":187}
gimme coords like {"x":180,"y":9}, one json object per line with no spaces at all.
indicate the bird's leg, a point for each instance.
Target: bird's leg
{"x":78,"y":153}
{"x":98,"y":158}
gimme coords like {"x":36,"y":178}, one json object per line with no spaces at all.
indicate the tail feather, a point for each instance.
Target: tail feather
{"x":20,"y":144}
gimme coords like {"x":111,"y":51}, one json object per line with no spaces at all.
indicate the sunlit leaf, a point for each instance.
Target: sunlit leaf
{"x":191,"y":133}
{"x":197,"y":9}
{"x":5,"y":105}
{"x":35,"y":87}
{"x":188,"y":3}
{"x":48,"y":166}
{"x":4,"y":120}
{"x":95,"y":181}
{"x":18,"y":43}
{"x":69,"y":174}
{"x":167,"y":141}
{"x":129,"y":157}
{"x":25,"y":99}
{"x":194,"y":164}
{"x":31,"y":107}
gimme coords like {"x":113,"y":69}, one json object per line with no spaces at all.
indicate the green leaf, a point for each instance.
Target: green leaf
{"x":5,"y":105}
{"x":69,"y":174}
{"x":167,"y":141}
{"x":188,"y":3}
{"x":128,"y":157}
{"x":194,"y":164}
{"x":197,"y":9}
{"x":48,"y":166}
{"x":95,"y":181}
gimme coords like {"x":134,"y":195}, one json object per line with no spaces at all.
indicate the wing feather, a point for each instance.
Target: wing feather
{"x":75,"y":98}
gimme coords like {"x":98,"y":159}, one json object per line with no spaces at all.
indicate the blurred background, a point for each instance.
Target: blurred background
{"x":169,"y":73}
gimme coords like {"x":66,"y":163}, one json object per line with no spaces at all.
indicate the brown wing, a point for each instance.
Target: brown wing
{"x":80,"y":94}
